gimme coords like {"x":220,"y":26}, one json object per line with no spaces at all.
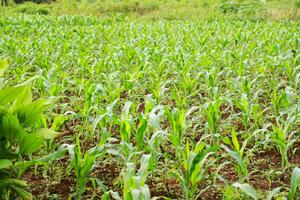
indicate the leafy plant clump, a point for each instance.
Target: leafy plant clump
{"x":19,"y":118}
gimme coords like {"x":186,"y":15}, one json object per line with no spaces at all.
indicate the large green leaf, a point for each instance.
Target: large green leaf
{"x":9,"y":94}
{"x":4,"y":163}
{"x":10,"y":128}
{"x":31,"y":143}
{"x":24,"y":98}
{"x":30,"y":113}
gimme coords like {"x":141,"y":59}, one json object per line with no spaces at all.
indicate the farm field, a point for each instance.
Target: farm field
{"x":163,"y":109}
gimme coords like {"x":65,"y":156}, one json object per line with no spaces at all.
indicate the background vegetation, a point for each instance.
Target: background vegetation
{"x":168,"y":9}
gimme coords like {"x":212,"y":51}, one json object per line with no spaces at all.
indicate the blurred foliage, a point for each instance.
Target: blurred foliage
{"x":153,"y":9}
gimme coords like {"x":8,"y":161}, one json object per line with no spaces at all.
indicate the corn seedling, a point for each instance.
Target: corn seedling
{"x":237,"y":153}
{"x":177,"y":121}
{"x":284,"y":140}
{"x":83,"y":163}
{"x":212,"y":115}
{"x":192,"y":162}
{"x":135,"y":187}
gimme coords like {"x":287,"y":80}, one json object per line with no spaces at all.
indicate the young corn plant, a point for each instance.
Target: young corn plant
{"x":245,"y":105}
{"x":126,"y":152}
{"x":213,"y":83}
{"x":144,"y":123}
{"x":179,"y":99}
{"x":134,"y":182}
{"x":140,"y":133}
{"x":211,"y":77}
{"x":293,"y":73}
{"x":187,"y":82}
{"x":177,"y":121}
{"x":83,"y":163}
{"x":284,"y":140}
{"x":126,"y":123}
{"x":212,"y":114}
{"x":149,"y":122}
{"x":192,"y":163}
{"x":237,"y":153}
{"x":257,"y":115}
{"x":244,"y":86}
{"x":279,"y":101}
{"x":153,"y":147}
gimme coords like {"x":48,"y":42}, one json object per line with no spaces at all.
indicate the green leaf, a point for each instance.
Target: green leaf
{"x":145,"y":159}
{"x":238,"y":158}
{"x":142,"y":193}
{"x":226,"y":140}
{"x":25,"y":195}
{"x":247,"y":189}
{"x":97,"y":121}
{"x":9,"y":181}
{"x":11,"y":128}
{"x":24,"y":98}
{"x":199,"y":147}
{"x":115,"y":195}
{"x":126,"y":110}
{"x":105,"y":196}
{"x":46,"y":133}
{"x":136,"y":194}
{"x":140,"y":132}
{"x":3,"y":66}
{"x":30,"y":113}
{"x":235,"y":141}
{"x":62,"y":150}
{"x":9,"y":94}
{"x":272,"y":193}
{"x":295,"y":182}
{"x":4,"y":163}
{"x":58,"y":122}
{"x":8,"y":155}
{"x":18,"y":186}
{"x":31,"y":143}
{"x":196,"y":160}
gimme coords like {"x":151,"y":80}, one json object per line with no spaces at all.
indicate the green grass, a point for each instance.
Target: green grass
{"x":166,"y":108}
